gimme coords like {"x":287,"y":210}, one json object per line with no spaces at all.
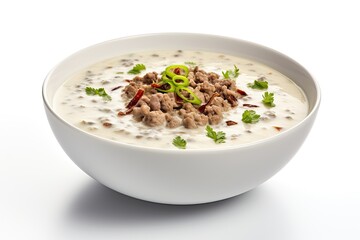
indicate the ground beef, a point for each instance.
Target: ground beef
{"x":189,"y":122}
{"x":167,"y":109}
{"x":130,"y":90}
{"x":220,"y":102}
{"x":207,"y":87}
{"x":150,"y":78}
{"x":154,"y":103}
{"x":154,"y":118}
{"x":167,"y":103}
{"x":214,"y":113}
{"x":172,"y":121}
{"x":201,"y":77}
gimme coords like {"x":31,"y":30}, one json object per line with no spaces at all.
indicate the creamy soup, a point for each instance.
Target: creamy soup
{"x":260,"y":103}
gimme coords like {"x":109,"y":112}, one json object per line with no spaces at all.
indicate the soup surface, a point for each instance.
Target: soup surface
{"x":246,"y":102}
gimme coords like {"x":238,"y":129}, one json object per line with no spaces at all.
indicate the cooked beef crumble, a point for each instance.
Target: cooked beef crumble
{"x":156,"y":108}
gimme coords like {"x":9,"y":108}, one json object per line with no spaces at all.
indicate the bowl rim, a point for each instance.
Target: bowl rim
{"x":308,"y":117}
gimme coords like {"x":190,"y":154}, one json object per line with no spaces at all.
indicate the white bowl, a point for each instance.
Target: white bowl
{"x":169,"y":175}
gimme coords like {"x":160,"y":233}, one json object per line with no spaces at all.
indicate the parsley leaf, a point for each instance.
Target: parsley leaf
{"x":226,"y":74}
{"x":231,"y":73}
{"x":250,"y":116}
{"x":137,"y":69}
{"x":268,"y":99}
{"x":179,"y":142}
{"x":193,"y":64}
{"x":236,"y":72}
{"x":259,"y":84}
{"x":100,"y":92}
{"x":218,"y":137}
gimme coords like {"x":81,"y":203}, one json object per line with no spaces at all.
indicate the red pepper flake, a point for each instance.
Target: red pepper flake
{"x":232,"y":100}
{"x":132,"y":103}
{"x":278,"y":128}
{"x":165,"y":86}
{"x":115,"y":88}
{"x":202,"y":107}
{"x":250,"y":105}
{"x":178,"y":99}
{"x":107,"y":124}
{"x":230,"y":123}
{"x":241,"y":92}
{"x":136,"y":98}
{"x":125,"y":113}
{"x":177,"y":71}
{"x":155,"y":85}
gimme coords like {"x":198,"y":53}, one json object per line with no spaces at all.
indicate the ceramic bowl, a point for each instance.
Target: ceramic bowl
{"x":172,"y":176}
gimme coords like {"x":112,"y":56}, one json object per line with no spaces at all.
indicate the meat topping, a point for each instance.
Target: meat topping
{"x":155,"y":108}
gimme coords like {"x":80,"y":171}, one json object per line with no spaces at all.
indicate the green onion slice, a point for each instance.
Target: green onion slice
{"x":180,"y":81}
{"x":166,"y":86}
{"x":174,"y":70}
{"x":192,"y":98}
{"x":165,"y":78}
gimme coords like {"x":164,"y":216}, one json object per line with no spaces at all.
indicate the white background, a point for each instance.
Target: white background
{"x":43,"y":195}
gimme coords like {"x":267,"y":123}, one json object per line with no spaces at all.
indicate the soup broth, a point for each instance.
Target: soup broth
{"x":96,"y":100}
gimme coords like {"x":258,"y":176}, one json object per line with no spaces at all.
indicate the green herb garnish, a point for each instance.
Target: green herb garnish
{"x":268,"y":99}
{"x":137,"y":69}
{"x":100,"y":92}
{"x":226,"y":74}
{"x":218,"y":137}
{"x":179,"y":142}
{"x":259,"y":84}
{"x":250,"y":116}
{"x":119,"y":72}
{"x":193,"y":64}
{"x":231,"y":73}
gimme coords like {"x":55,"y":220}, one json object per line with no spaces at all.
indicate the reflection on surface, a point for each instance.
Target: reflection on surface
{"x":100,"y":211}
